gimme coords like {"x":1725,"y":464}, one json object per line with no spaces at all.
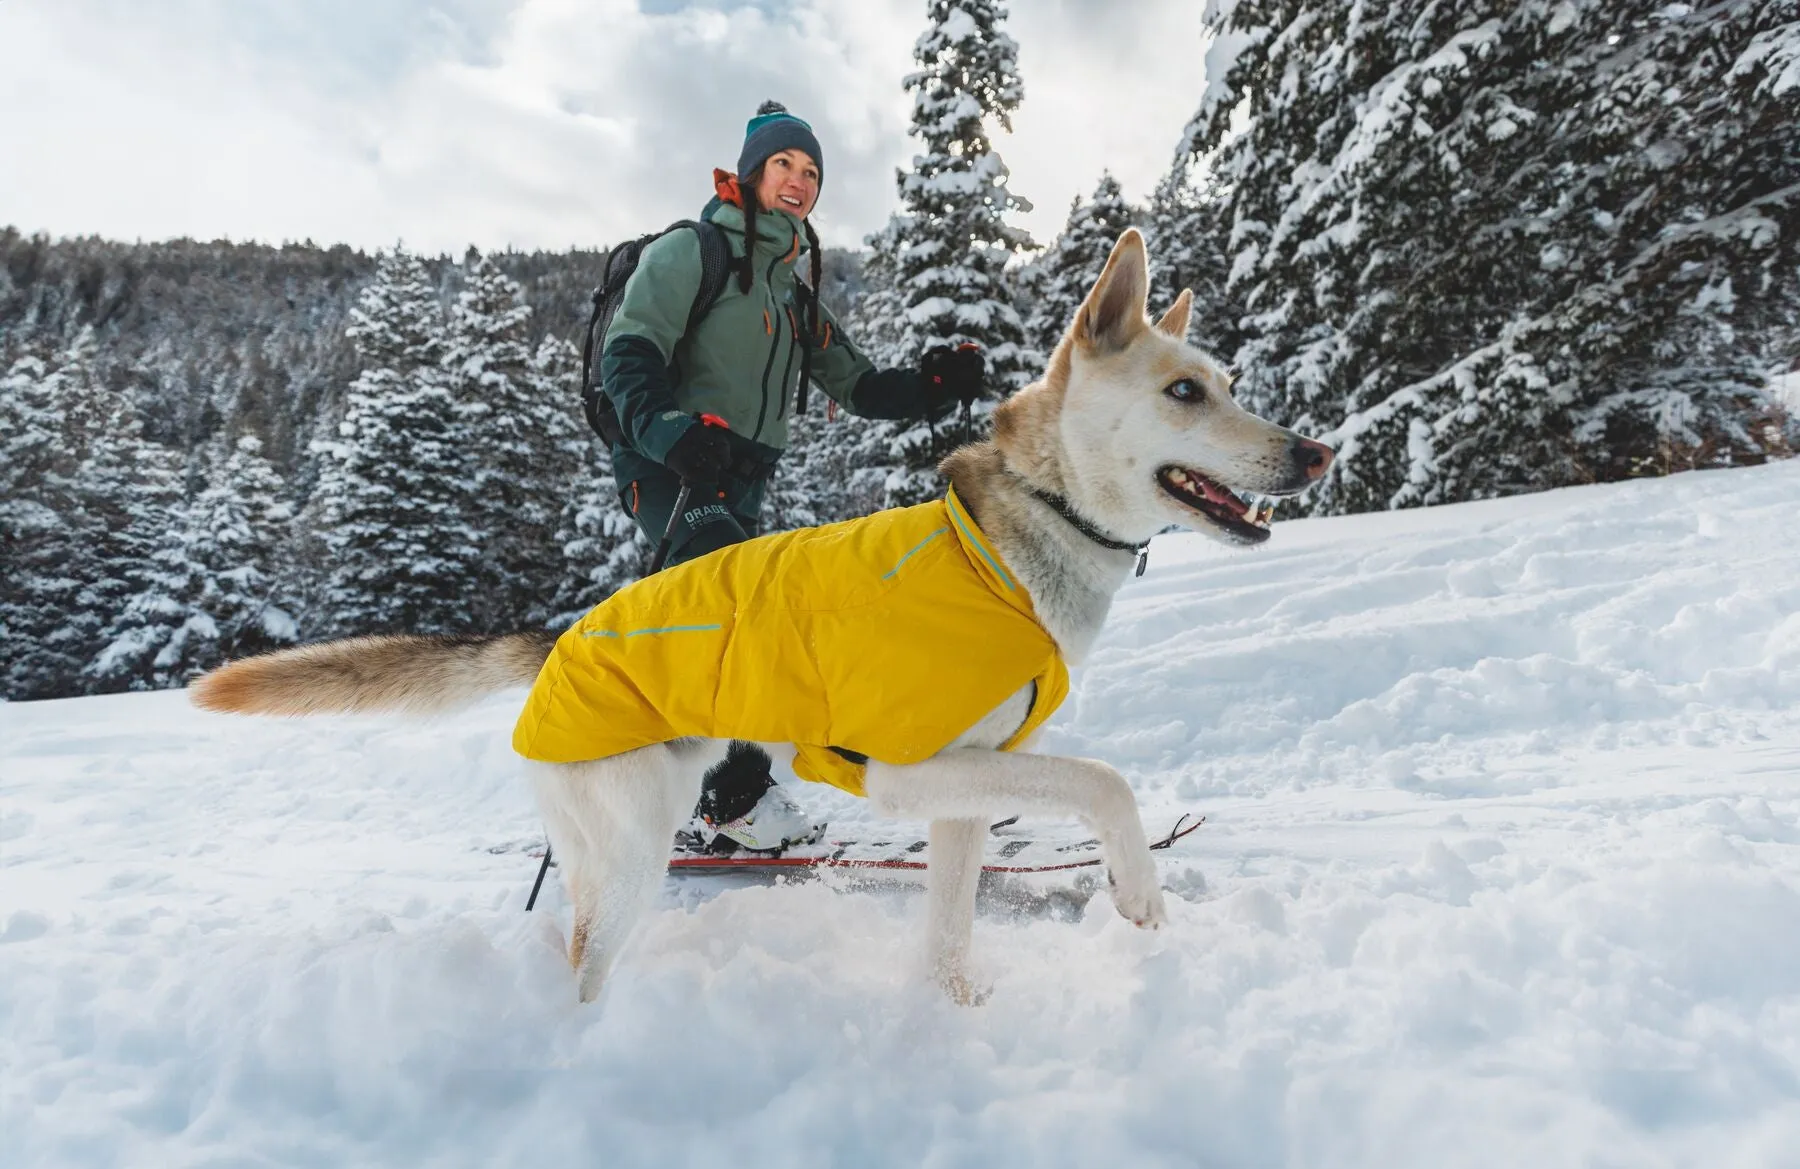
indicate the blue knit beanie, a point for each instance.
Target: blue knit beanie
{"x":772,"y":131}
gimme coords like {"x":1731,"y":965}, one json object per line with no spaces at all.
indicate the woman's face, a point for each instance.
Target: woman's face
{"x":790,"y":181}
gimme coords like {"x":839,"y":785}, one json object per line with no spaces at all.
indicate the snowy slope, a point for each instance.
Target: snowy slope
{"x":1502,"y":868}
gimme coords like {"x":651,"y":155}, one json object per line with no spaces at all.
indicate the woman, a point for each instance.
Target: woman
{"x":740,"y":365}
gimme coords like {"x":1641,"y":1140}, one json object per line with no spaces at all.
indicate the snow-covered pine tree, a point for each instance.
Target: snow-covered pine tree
{"x":1494,"y":247}
{"x":878,"y":323}
{"x":241,"y":524}
{"x":146,"y":639}
{"x":1074,"y":261}
{"x":950,"y":246}
{"x":42,"y":644}
{"x":602,"y":549}
{"x":85,"y":502}
{"x":598,"y":547}
{"x":212,"y":585}
{"x":824,"y":476}
{"x":517,"y":425}
{"x":399,"y":550}
{"x":1185,"y":229}
{"x":1171,"y":227}
{"x":879,"y":320}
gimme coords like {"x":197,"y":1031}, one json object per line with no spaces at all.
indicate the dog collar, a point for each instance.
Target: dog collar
{"x":1060,"y":506}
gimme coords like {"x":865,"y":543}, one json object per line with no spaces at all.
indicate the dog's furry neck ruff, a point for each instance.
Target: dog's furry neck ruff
{"x":1060,"y":506}
{"x":1070,"y":578}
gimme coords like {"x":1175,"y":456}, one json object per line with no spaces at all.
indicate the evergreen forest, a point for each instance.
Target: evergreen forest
{"x":1480,"y":248}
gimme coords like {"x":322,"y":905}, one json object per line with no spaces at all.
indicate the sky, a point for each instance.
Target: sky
{"x":531,"y":123}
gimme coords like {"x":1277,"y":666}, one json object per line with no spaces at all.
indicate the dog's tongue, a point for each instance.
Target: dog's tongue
{"x":1219,"y":494}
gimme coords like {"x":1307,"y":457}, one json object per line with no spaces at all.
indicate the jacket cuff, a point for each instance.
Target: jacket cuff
{"x":660,"y":434}
{"x":637,"y":382}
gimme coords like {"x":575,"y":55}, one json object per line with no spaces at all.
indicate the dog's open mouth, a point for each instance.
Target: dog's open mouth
{"x":1217,"y":503}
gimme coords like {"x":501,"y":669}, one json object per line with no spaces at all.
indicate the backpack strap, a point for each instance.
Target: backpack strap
{"x":715,"y":271}
{"x":715,"y":268}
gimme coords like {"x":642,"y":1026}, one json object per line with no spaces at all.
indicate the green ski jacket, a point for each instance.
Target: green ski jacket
{"x":742,"y":361}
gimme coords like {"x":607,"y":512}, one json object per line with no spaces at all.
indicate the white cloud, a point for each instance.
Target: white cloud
{"x":530,"y":123}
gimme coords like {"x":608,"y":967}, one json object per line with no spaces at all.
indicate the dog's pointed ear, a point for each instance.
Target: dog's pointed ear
{"x":1115,"y":311}
{"x":1175,"y":321}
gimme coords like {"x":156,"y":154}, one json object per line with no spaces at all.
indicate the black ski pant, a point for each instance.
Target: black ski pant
{"x":714,"y":518}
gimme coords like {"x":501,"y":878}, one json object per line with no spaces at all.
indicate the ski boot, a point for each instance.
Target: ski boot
{"x":741,"y":806}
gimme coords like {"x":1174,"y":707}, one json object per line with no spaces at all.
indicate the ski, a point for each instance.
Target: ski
{"x":1021,"y":854}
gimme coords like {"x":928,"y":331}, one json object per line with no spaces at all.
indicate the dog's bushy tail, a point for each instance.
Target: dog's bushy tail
{"x":409,"y":674}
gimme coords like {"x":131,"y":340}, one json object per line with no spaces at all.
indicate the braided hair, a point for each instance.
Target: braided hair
{"x":809,"y":312}
{"x":747,"y":185}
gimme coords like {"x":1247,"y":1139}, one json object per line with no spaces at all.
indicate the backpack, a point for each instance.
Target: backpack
{"x":621,"y":262}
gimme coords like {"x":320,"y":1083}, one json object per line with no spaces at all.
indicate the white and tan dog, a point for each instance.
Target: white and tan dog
{"x":1131,"y":430}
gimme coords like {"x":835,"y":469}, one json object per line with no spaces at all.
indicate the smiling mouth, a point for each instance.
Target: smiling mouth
{"x":1217,"y":503}
{"x":790,"y":200}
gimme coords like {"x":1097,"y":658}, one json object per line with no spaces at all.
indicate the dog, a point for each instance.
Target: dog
{"x":1130,"y":431}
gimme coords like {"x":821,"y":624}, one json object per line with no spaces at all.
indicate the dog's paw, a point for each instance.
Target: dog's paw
{"x":1141,"y":905}
{"x":963,"y":990}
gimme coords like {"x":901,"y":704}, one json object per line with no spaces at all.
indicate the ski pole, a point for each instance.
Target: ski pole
{"x":662,"y":549}
{"x":968,"y":409}
{"x":531,"y":902}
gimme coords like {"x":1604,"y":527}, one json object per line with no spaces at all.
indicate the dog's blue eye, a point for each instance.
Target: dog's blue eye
{"x":1185,"y":390}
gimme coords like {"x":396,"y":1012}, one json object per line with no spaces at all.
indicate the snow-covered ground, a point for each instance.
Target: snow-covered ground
{"x":1502,"y":868}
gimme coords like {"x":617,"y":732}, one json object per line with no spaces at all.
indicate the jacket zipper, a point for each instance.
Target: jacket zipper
{"x":787,"y":367}
{"x":774,"y":340}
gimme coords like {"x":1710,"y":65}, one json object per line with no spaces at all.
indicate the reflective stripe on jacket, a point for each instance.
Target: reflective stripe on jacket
{"x":882,"y":638}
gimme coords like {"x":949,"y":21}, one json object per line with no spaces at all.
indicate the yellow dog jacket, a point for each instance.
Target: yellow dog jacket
{"x":879,"y":638}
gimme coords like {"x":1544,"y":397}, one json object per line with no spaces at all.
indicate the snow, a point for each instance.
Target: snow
{"x":1776,"y":52}
{"x":1502,"y":867}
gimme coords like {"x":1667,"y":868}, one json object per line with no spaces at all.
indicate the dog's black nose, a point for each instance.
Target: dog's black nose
{"x":1311,"y":458}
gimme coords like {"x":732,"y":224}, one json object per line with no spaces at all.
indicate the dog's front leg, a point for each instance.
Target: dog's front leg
{"x":955,"y":871}
{"x":972,"y":782}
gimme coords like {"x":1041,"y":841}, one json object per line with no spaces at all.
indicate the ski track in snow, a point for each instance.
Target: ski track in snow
{"x":1502,"y":867}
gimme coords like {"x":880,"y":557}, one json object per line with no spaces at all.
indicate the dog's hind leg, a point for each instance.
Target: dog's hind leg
{"x":611,"y":822}
{"x":972,"y":783}
{"x":955,"y":860}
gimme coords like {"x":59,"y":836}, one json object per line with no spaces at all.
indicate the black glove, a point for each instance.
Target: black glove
{"x":953,"y":374}
{"x":701,"y":455}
